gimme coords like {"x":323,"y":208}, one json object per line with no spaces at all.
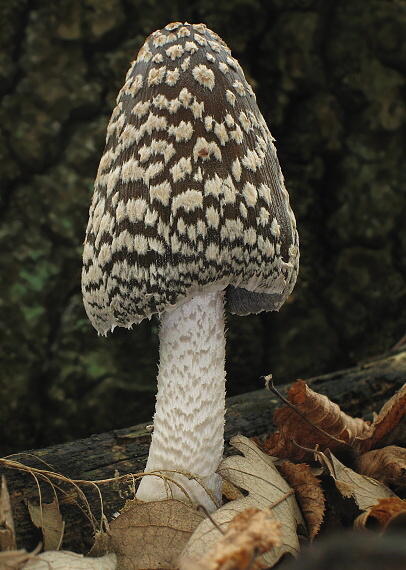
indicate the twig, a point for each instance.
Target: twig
{"x":320,"y":454}
{"x":208,"y":515}
{"x":307,"y":449}
{"x":281,"y":499}
{"x":400,"y":343}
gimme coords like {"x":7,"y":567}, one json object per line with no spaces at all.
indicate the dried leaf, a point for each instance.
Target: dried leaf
{"x":153,"y":534}
{"x":100,"y":545}
{"x":7,"y":530}
{"x":256,"y":473}
{"x":230,"y":491}
{"x":48,"y":518}
{"x":15,"y":559}
{"x":387,"y":465}
{"x":396,"y":523}
{"x":249,"y":534}
{"x":61,"y":560}
{"x":365,"y":491}
{"x":309,"y":494}
{"x":382,"y":512}
{"x":320,"y":412}
{"x":386,"y":421}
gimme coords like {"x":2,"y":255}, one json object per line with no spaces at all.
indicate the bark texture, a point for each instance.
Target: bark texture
{"x":330,"y":81}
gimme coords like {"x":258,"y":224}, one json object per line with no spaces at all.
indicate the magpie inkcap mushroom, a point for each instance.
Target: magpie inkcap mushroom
{"x":190,"y":214}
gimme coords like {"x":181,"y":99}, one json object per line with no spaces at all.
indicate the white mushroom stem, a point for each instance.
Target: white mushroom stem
{"x":189,"y":415}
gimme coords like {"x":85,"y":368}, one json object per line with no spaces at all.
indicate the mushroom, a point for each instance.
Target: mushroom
{"x":190,"y":215}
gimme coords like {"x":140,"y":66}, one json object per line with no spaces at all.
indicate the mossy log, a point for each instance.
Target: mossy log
{"x":359,"y":391}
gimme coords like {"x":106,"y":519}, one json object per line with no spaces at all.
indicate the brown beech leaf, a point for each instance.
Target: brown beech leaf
{"x":365,"y":491}
{"x":392,"y":412}
{"x":152,"y":534}
{"x":387,"y":465}
{"x":7,"y":530}
{"x":255,"y":472}
{"x":48,"y":518}
{"x":309,"y":494}
{"x":382,"y":512}
{"x":320,"y":412}
{"x":249,"y":534}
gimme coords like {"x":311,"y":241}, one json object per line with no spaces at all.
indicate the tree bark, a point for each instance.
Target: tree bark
{"x":329,"y":78}
{"x":359,"y":391}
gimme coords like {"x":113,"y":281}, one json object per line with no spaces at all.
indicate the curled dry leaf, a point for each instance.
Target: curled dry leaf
{"x":385,"y":422}
{"x":7,"y":530}
{"x":249,"y":534}
{"x":387,"y":465}
{"x":48,"y":518}
{"x":69,"y":561}
{"x":365,"y":491}
{"x":309,"y":494}
{"x":382,"y":512}
{"x":319,"y":412}
{"x":151,"y":535}
{"x":256,"y":473}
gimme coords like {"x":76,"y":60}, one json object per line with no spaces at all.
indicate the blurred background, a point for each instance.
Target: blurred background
{"x":330,"y":79}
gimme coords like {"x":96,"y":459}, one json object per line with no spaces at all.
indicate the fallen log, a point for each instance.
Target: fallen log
{"x":104,"y":458}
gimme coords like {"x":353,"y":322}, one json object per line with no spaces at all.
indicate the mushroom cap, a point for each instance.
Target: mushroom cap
{"x":189,"y":195}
